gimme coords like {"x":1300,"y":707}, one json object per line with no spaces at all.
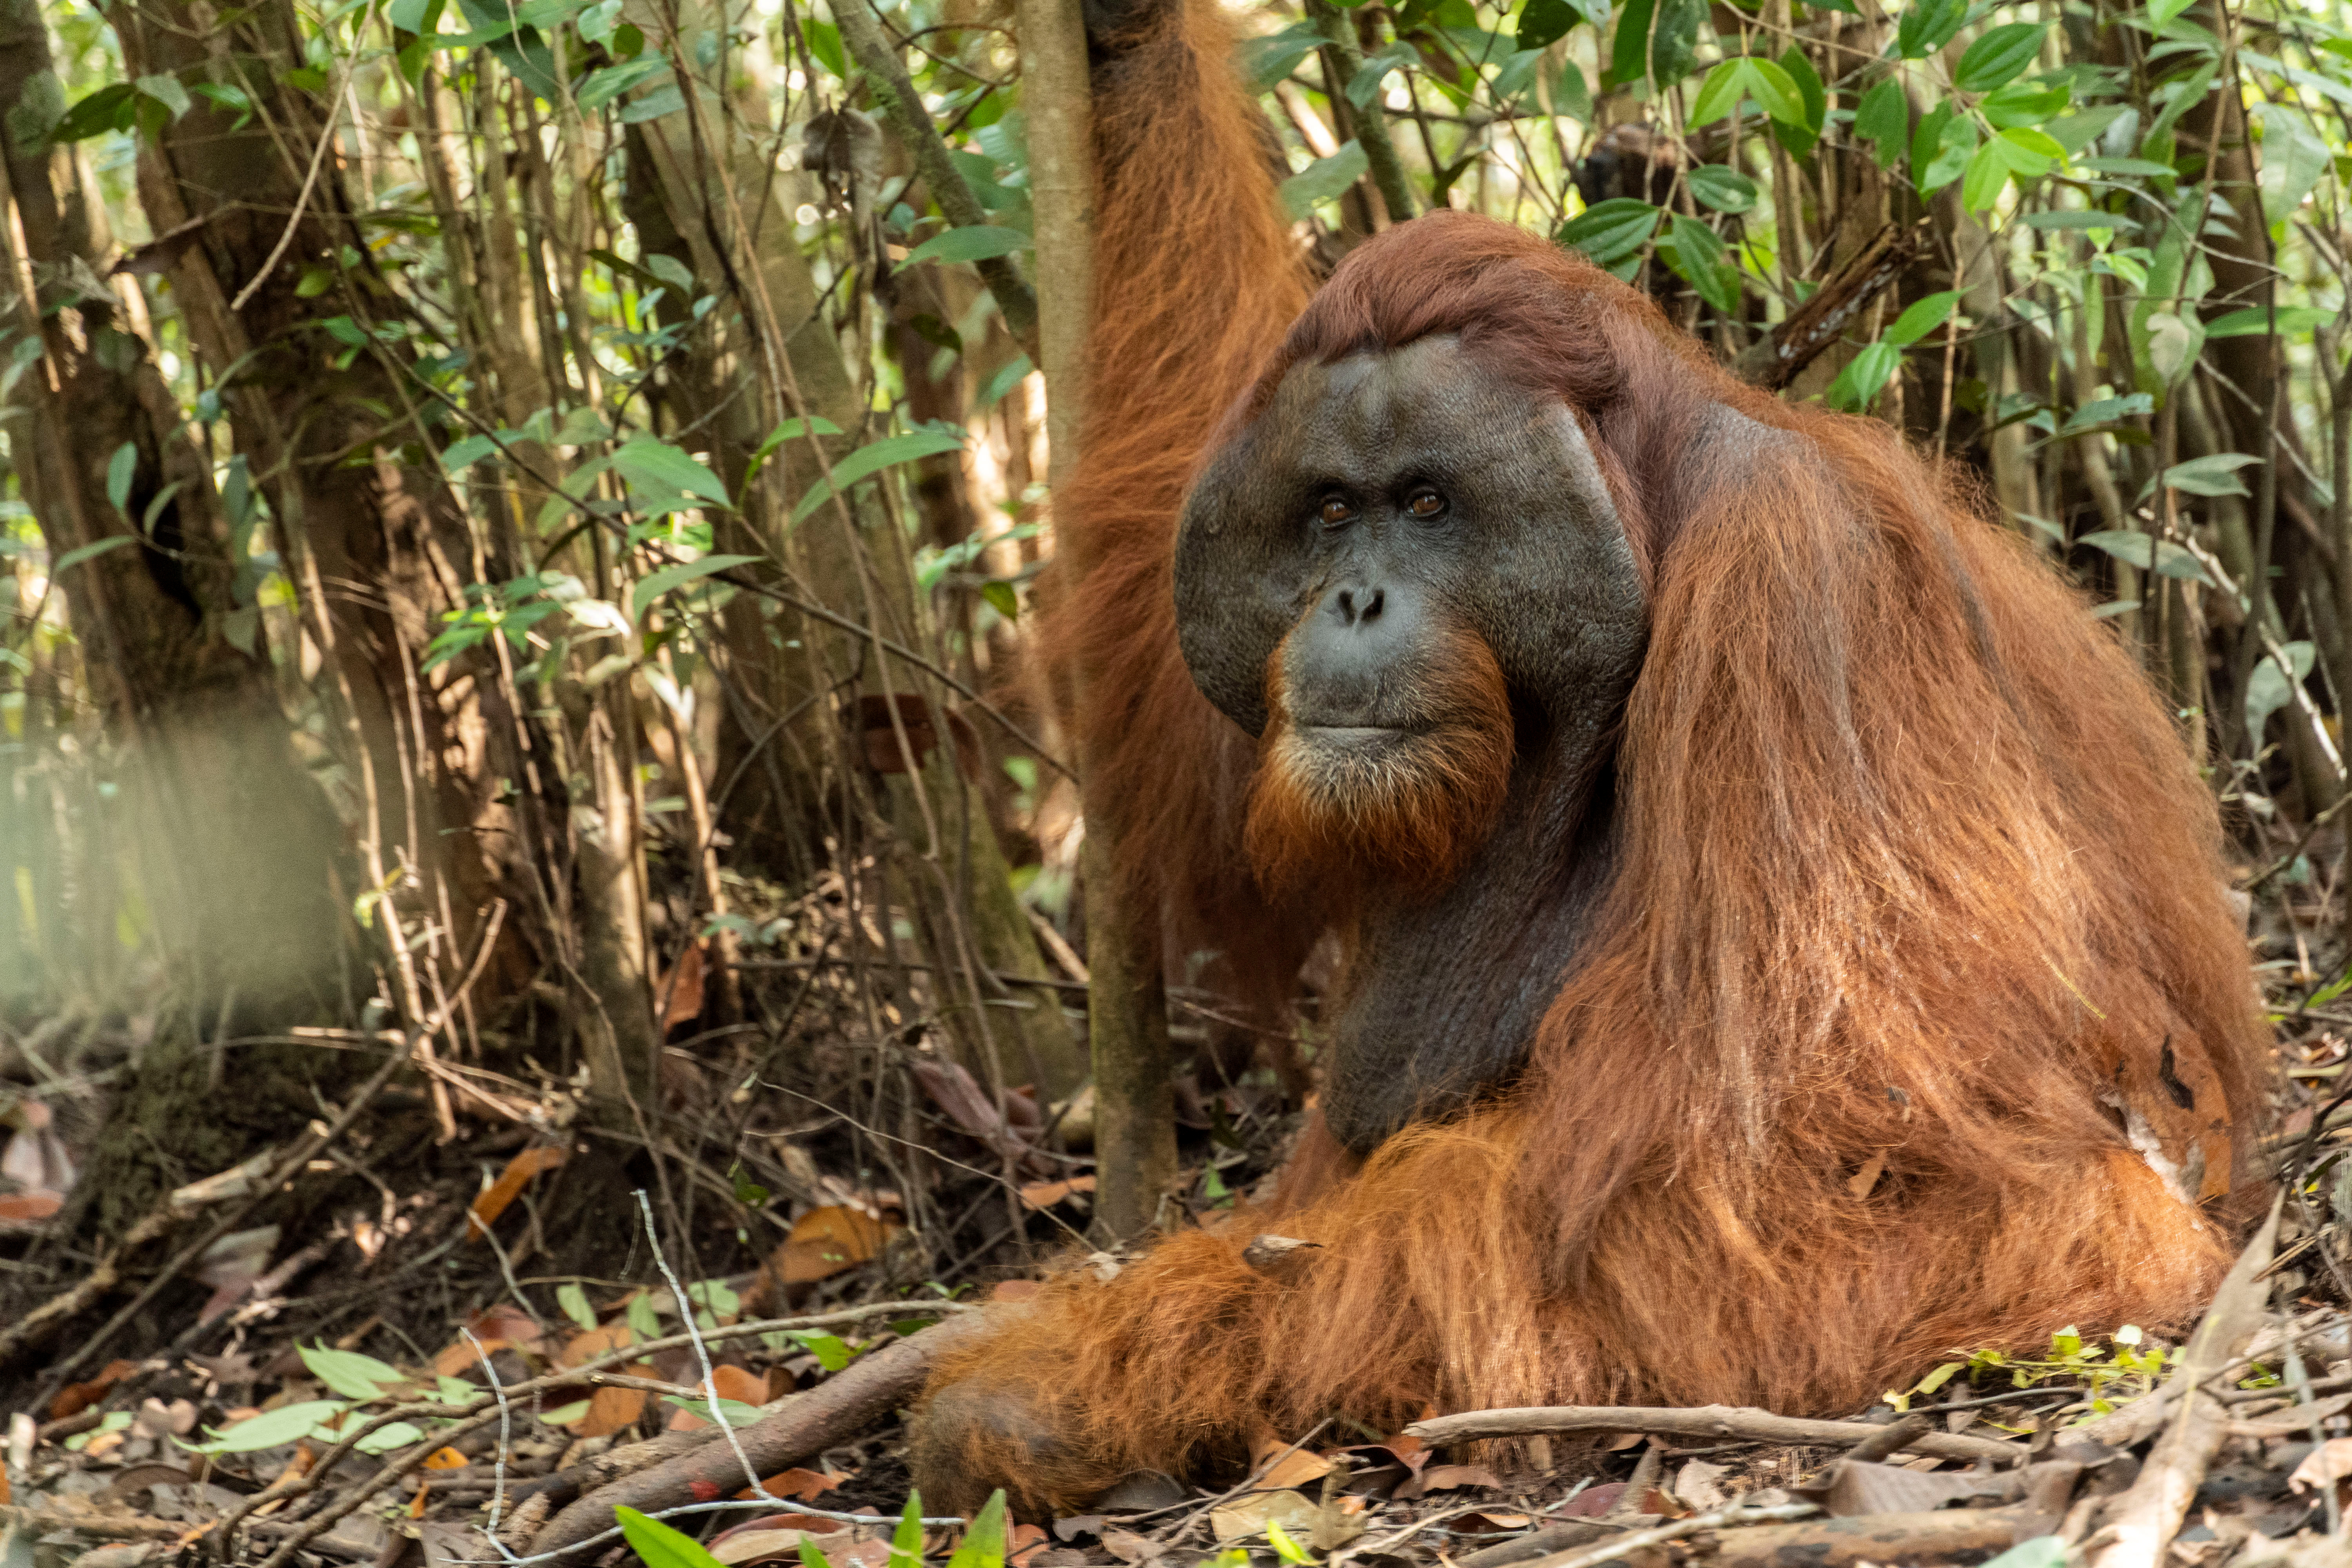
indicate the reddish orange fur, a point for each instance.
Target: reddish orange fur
{"x":1408,"y":819}
{"x":1914,"y":873}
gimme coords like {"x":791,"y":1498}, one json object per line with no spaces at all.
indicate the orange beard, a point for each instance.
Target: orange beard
{"x":1407,"y":812}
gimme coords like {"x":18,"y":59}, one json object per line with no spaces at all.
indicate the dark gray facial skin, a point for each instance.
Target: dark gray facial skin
{"x":1522,"y":546}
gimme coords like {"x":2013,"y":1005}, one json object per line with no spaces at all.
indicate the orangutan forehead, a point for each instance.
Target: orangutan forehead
{"x":1369,"y":409}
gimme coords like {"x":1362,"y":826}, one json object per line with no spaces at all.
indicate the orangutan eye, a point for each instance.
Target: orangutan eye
{"x":1426,"y":502}
{"x":1336,"y":512}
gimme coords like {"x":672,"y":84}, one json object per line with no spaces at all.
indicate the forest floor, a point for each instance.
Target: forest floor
{"x":405,"y":1394}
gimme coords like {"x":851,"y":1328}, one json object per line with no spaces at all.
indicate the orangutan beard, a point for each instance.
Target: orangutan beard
{"x":1398,"y":809}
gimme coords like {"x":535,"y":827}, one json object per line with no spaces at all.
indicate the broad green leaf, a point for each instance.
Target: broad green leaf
{"x":792,"y":430}
{"x":2287,"y":321}
{"x":1883,"y":120}
{"x":2039,"y":1551}
{"x":1727,"y":190}
{"x":831,"y":1350}
{"x":108,"y":109}
{"x":653,"y":584}
{"x":1366,"y":83}
{"x":1544,"y":22}
{"x":1923,"y":316}
{"x":662,"y":100}
{"x":1813,"y":103}
{"x":1735,"y":79}
{"x":823,"y":41}
{"x":660,"y":1546}
{"x":2160,"y":13}
{"x":470,"y":451}
{"x":167,"y":91}
{"x":574,"y":1302}
{"x":1268,"y":60}
{"x":2215,"y":474}
{"x":2107,"y":410}
{"x":1927,"y":25}
{"x":2132,"y":548}
{"x":1864,"y":374}
{"x":121,"y":469}
{"x":1610,"y":231}
{"x":655,"y":464}
{"x":1289,"y":1551}
{"x":1987,"y":177}
{"x":82,"y":552}
{"x":1698,"y":257}
{"x":874,"y":458}
{"x":2140,"y":166}
{"x":2023,"y":103}
{"x":643,"y":1320}
{"x":388,"y":1437}
{"x":984,"y":1543}
{"x":1003,"y":598}
{"x":603,"y":85}
{"x":1003,"y":382}
{"x":1999,"y":57}
{"x":270,"y":1429}
{"x":980,"y":242}
{"x":1670,"y":46}
{"x":1956,"y":144}
{"x":1324,"y":179}
{"x":2293,"y":161}
{"x":2269,"y":688}
{"x":350,"y":1373}
{"x":408,"y":16}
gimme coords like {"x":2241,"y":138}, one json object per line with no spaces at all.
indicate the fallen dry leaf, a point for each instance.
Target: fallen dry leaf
{"x":494,"y":1200}
{"x":445,"y":1459}
{"x":77,"y":1397}
{"x":24,"y":1211}
{"x":2331,"y":1461}
{"x":1848,"y":1491}
{"x":800,"y":1484}
{"x":827,"y":1241}
{"x":1445,"y":1477}
{"x":611,"y":1410}
{"x":1128,"y":1546}
{"x":1699,"y":1484}
{"x":1292,"y":1467}
{"x":231,"y":1265}
{"x":1249,"y":1516}
{"x":1023,"y":1546}
{"x":681,"y":990}
{"x":733,"y":1383}
{"x":1491,"y":1521}
{"x":1045,"y":1195}
{"x":759,"y":1545}
{"x":1591,"y":1503}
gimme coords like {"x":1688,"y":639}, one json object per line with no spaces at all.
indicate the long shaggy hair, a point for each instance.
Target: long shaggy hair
{"x":1915,"y":1020}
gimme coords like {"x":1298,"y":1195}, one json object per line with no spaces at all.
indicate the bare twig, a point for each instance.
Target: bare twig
{"x":1701,"y":1420}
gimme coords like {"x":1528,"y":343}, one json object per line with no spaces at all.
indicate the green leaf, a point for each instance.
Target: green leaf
{"x":121,"y":469}
{"x":979,"y":242}
{"x":2287,"y":321}
{"x":574,"y":1302}
{"x":1324,"y":179}
{"x":167,"y":91}
{"x":643,"y":1320}
{"x":82,"y":552}
{"x":350,"y":1373}
{"x":1698,"y":257}
{"x":875,"y":457}
{"x":1002,"y":598}
{"x":1988,"y":176}
{"x":2292,"y":162}
{"x":2108,"y":410}
{"x":1864,"y":374}
{"x":1366,"y":83}
{"x":907,"y":1541}
{"x":2023,"y":103}
{"x":1812,"y":100}
{"x":388,"y":1437}
{"x":1923,"y":316}
{"x":984,"y":1543}
{"x":1744,"y":78}
{"x":653,"y":584}
{"x":408,"y":16}
{"x":603,"y":85}
{"x":656,"y":465}
{"x":1610,"y":231}
{"x":2215,"y":474}
{"x":2078,"y":218}
{"x":2144,"y":167}
{"x":1883,"y":120}
{"x":1724,"y":189}
{"x":825,"y":43}
{"x":108,"y":109}
{"x":2269,"y":688}
{"x":1671,"y":47}
{"x":1544,"y":22}
{"x":1289,"y":1551}
{"x":792,"y":430}
{"x":832,"y":1352}
{"x":1927,"y":25}
{"x":660,"y":1546}
{"x":2131,"y":547}
{"x":1947,"y":153}
{"x":1268,"y":60}
{"x":270,"y":1429}
{"x":810,"y":1556}
{"x":1003,"y":382}
{"x":1999,"y":57}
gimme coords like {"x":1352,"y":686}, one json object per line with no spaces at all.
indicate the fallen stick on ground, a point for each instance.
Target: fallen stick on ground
{"x":832,"y":1412}
{"x":1884,"y":1538}
{"x":1700,"y":1421}
{"x":1658,"y":1535}
{"x":2141,"y":1522}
